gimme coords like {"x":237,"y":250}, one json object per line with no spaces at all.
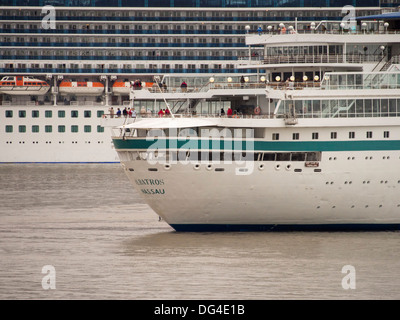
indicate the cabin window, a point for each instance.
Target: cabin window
{"x":61,"y":129}
{"x":296,"y":136}
{"x":35,"y":113}
{"x":284,"y":156}
{"x":275,"y":136}
{"x":100,"y":113}
{"x":48,"y":113}
{"x":100,"y":129}
{"x":352,"y":135}
{"x":87,"y":128}
{"x":9,"y":129}
{"x":48,"y":128}
{"x":386,"y":134}
{"x":22,"y":129}
{"x":22,"y":113}
{"x":315,"y":136}
{"x":333,"y":135}
{"x":369,"y":134}
{"x":313,"y":156}
{"x":61,"y":114}
{"x":74,"y":114}
{"x":74,"y":128}
{"x":9,"y":114}
{"x":35,"y":129}
{"x":298,"y":156}
{"x":269,"y":157}
{"x":87,"y":113}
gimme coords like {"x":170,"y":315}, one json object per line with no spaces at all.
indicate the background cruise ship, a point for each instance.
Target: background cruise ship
{"x":97,"y":45}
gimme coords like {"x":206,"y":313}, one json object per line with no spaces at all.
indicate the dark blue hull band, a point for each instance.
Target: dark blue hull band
{"x":283,"y":227}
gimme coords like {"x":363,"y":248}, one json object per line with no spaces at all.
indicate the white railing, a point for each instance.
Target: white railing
{"x":321,"y":58}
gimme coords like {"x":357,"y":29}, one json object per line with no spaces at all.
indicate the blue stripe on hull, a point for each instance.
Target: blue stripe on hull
{"x":283,"y":227}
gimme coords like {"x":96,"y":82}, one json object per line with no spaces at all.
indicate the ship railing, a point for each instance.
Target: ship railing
{"x":293,"y":85}
{"x":155,"y":89}
{"x":332,"y":31}
{"x":360,"y":80}
{"x":322,"y":58}
{"x":127,"y":120}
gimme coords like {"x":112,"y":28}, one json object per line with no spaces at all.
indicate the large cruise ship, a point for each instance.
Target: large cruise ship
{"x":308,"y":142}
{"x":65,"y":63}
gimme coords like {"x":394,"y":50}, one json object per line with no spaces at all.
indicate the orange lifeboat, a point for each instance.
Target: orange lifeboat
{"x":123,"y":87}
{"x":85,"y":88}
{"x":23,"y":85}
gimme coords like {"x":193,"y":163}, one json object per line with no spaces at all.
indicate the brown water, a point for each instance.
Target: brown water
{"x":104,"y":242}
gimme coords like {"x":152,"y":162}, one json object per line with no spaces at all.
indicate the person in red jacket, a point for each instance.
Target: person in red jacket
{"x":229,"y":113}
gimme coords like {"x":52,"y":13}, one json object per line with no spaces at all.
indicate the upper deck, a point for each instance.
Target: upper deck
{"x":349,"y":50}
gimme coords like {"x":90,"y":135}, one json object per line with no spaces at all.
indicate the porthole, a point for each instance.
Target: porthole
{"x":167,"y":166}
{"x":277,"y":167}
{"x":288,"y":166}
{"x":196,"y":166}
{"x":261,"y":166}
{"x":209,"y":166}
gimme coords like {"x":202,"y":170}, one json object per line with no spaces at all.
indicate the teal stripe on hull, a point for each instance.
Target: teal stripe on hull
{"x":259,"y":145}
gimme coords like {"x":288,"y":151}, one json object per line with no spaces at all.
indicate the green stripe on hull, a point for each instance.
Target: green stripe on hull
{"x":205,"y":144}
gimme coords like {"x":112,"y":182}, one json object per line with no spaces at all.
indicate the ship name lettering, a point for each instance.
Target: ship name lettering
{"x":149,"y":182}
{"x":153,"y":191}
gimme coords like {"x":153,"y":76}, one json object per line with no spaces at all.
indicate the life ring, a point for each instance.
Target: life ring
{"x":257,"y":110}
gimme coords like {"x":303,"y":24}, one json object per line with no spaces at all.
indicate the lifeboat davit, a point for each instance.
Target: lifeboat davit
{"x":123,"y":87}
{"x":23,"y":85}
{"x":86,"y":88}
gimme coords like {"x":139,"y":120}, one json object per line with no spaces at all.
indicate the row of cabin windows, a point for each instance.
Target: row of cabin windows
{"x":315,"y":135}
{"x":49,"y":113}
{"x":49,"y":128}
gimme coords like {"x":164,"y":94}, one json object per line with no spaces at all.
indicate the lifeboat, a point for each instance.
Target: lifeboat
{"x":23,"y":85}
{"x":123,"y":87}
{"x":86,"y":88}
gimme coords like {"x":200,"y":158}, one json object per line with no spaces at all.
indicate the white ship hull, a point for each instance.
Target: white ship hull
{"x":353,"y":185}
{"x":344,"y":195}
{"x":75,"y":144}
